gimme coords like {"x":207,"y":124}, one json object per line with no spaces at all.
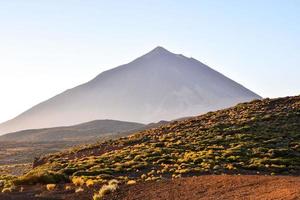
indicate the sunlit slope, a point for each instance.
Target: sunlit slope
{"x":256,"y":137}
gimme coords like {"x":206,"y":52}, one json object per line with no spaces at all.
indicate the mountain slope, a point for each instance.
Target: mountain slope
{"x":260,"y":137}
{"x":157,"y":86}
{"x":81,"y":132}
{"x":256,"y":137}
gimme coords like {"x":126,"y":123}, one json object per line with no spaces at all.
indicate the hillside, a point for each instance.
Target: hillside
{"x":19,"y":149}
{"x":260,"y":137}
{"x":82,"y":132}
{"x":159,"y":85}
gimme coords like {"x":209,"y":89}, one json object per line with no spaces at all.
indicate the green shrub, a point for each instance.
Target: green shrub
{"x":41,"y":176}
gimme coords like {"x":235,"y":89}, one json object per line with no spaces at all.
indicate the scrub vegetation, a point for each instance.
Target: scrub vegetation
{"x":260,"y":137}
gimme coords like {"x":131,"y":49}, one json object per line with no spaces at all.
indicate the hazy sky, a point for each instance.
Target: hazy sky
{"x":49,"y":46}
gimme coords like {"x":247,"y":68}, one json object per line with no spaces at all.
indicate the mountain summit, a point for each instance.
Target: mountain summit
{"x":159,"y":51}
{"x":159,"y":85}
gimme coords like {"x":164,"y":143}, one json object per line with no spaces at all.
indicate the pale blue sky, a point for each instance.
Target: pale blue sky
{"x":49,"y":46}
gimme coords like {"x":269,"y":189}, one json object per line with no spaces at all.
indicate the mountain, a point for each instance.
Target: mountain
{"x":259,"y":137}
{"x":82,"y":132}
{"x":157,"y":86}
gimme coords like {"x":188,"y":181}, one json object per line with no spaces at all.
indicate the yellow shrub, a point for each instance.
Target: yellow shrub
{"x":80,"y":189}
{"x":230,"y":166}
{"x":113,"y":182}
{"x":144,"y":176}
{"x":90,"y":183}
{"x":106,"y":189}
{"x":6,"y":190}
{"x":68,"y":187}
{"x":97,"y":197}
{"x":77,"y":181}
{"x":152,"y":172}
{"x":131,"y":182}
{"x":176,"y":176}
{"x":50,"y":187}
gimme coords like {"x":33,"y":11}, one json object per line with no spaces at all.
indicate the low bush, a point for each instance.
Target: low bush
{"x":131,"y":182}
{"x":78,"y":181}
{"x":6,"y":190}
{"x":50,"y":187}
{"x":90,"y":183}
{"x":80,"y":189}
{"x":41,"y":176}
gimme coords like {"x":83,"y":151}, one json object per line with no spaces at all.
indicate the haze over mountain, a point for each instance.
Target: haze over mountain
{"x":157,"y":86}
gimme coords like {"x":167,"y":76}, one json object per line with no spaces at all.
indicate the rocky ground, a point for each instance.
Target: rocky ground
{"x":192,"y":188}
{"x":215,"y":187}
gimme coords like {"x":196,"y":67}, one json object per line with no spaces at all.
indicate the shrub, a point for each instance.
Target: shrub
{"x":80,"y":189}
{"x":143,"y":176}
{"x":90,"y":183}
{"x":97,"y":197}
{"x":176,"y":176}
{"x":50,"y":187}
{"x":152,"y":172}
{"x":68,"y":187}
{"x":7,"y":190}
{"x":113,"y":182}
{"x":229,"y":166}
{"x":77,"y":181}
{"x":94,"y":173}
{"x":41,"y":176}
{"x":131,"y":182}
{"x":106,"y":189}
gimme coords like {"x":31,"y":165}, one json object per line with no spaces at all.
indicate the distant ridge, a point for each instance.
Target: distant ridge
{"x":159,"y":85}
{"x":81,"y":132}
